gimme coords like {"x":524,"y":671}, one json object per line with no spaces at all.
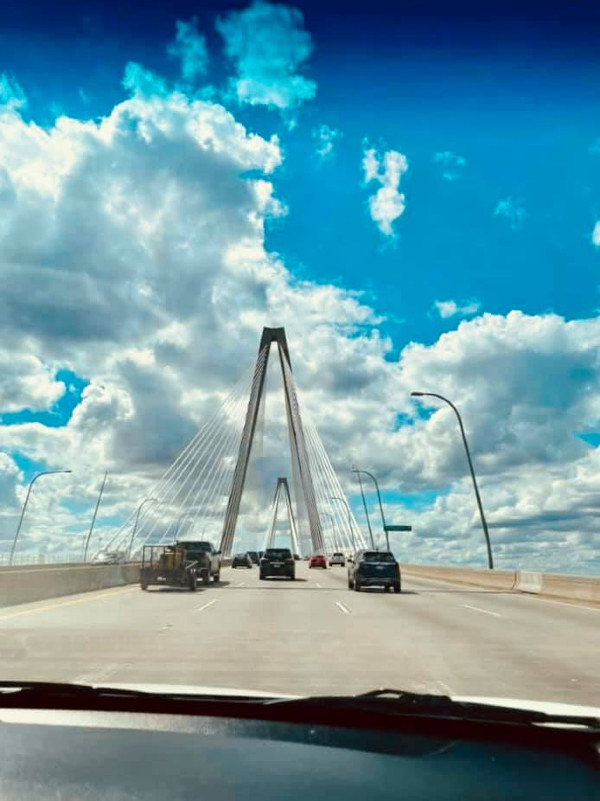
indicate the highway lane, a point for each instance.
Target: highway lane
{"x":311,"y":636}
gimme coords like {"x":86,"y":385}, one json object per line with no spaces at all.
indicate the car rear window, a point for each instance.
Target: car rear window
{"x":195,"y":546}
{"x":278,"y":553}
{"x":378,"y":556}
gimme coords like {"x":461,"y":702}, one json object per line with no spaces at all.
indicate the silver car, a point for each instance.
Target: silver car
{"x":337,"y":559}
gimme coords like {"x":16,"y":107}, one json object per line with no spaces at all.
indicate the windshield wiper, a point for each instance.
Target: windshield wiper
{"x":382,"y":704}
{"x":403,"y":702}
{"x":66,"y":690}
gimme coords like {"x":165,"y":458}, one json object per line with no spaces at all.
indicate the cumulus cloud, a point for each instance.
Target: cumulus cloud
{"x":524,"y":385}
{"x":596,"y":235}
{"x":387,"y":204}
{"x":26,"y":383}
{"x":267,"y":44}
{"x":149,"y":276}
{"x":512,"y":210}
{"x":190,"y":48}
{"x":325,"y":138}
{"x":452,"y":165}
{"x":450,"y":308}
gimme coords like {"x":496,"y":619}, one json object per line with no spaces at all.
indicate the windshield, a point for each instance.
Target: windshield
{"x":321,"y":283}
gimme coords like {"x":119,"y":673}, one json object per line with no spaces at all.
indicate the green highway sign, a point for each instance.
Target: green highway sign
{"x":398,"y":528}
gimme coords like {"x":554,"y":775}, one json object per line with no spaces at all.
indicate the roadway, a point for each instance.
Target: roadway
{"x":311,"y":636}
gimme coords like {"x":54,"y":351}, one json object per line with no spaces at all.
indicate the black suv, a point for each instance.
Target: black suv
{"x":373,"y":569}
{"x":208,"y":558}
{"x":277,"y":562}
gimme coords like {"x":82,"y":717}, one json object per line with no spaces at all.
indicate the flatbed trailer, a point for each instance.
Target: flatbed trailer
{"x":168,"y":566}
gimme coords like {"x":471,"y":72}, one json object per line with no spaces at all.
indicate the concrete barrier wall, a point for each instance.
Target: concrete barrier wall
{"x":494,"y":579}
{"x":529,"y":582}
{"x":580,"y":588}
{"x":23,"y":585}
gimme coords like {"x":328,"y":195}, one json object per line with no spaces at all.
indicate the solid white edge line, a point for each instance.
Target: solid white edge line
{"x":560,"y":603}
{"x":343,"y":608}
{"x":484,"y":611}
{"x":210,"y":603}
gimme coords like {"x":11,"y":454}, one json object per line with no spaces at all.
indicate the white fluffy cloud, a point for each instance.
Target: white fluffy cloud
{"x":596,"y":235}
{"x":525,"y":386}
{"x":450,"y":308}
{"x":387,"y":204}
{"x":267,"y":44}
{"x":26,"y":383}
{"x":148,"y":275}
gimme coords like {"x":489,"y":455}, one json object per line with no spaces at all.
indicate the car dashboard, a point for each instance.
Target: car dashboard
{"x":54,"y":754}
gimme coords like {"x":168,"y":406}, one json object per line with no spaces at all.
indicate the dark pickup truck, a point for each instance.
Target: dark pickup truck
{"x":207,"y":557}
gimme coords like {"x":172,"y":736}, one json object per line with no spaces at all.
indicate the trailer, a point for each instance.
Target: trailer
{"x":168,"y":566}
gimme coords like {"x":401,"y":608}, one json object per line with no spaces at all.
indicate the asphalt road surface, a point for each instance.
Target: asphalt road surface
{"x":311,"y":636}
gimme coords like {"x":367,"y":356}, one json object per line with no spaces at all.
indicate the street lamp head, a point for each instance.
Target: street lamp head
{"x":417,"y":394}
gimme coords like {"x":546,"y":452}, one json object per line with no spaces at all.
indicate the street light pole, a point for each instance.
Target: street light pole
{"x":31,"y":483}
{"x":374,"y":480}
{"x":484,"y":525}
{"x":365,"y":506}
{"x":89,"y":536}
{"x":345,"y":502}
{"x":135,"y":525}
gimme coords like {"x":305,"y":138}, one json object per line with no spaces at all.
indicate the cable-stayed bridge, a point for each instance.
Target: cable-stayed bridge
{"x":257,"y":474}
{"x":224,"y":485}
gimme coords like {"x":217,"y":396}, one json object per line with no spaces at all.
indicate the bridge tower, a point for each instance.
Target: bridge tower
{"x":282,"y":491}
{"x":299,"y":454}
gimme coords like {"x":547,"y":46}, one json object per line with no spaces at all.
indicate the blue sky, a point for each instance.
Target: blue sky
{"x":461,"y":179}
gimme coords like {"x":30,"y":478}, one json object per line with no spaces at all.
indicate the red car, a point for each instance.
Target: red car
{"x":317,"y":560}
